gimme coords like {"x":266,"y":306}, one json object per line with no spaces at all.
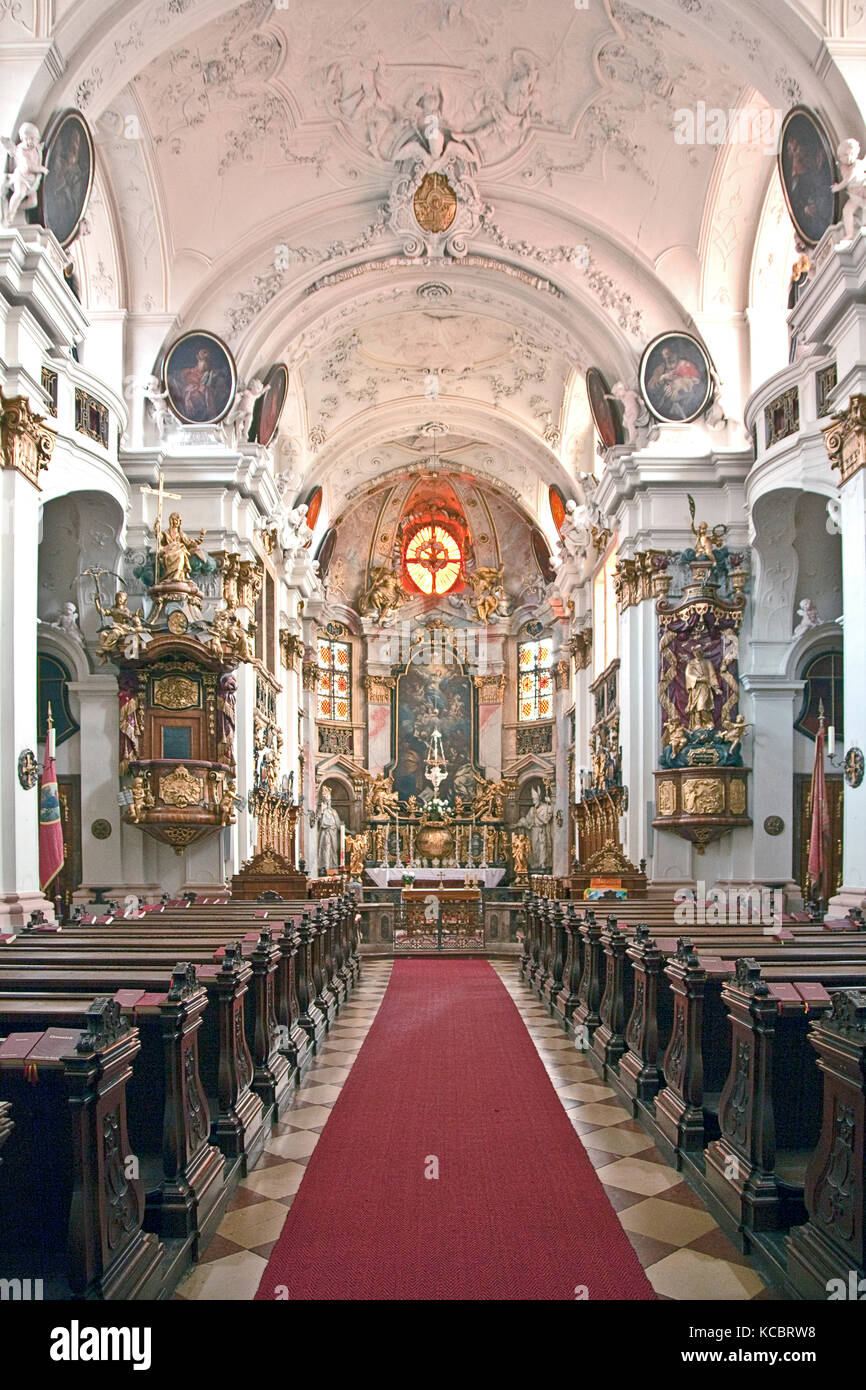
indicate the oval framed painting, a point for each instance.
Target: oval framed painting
{"x":603,"y":415}
{"x":314,"y":506}
{"x":200,"y":376}
{"x":269,"y":407}
{"x":65,"y":190}
{"x":807,"y":169}
{"x":543,"y":557}
{"x":557,"y":506}
{"x":676,"y":378}
{"x":325,"y":552}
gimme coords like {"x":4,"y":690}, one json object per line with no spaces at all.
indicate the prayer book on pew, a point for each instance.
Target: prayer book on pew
{"x":16,"y":1047}
{"x":128,"y":998}
{"x":814,"y":996}
{"x":787,"y":999}
{"x":7,"y":938}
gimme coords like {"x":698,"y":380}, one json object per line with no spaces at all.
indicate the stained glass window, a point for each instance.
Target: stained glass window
{"x":334,"y":693}
{"x":534,"y":680}
{"x":433,"y":559}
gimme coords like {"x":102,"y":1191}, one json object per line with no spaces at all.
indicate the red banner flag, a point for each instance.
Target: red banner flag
{"x":819,"y":838}
{"x":51,"y":850}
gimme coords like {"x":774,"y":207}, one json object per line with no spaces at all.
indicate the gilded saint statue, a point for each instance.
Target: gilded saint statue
{"x":174,"y":550}
{"x":357,"y":854}
{"x":488,"y":593}
{"x":520,"y":856}
{"x":383,"y":596}
{"x":702,"y":686}
{"x":382,"y":798}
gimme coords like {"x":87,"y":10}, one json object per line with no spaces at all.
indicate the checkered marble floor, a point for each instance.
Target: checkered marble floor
{"x":684,"y":1252}
{"x":233,"y":1264}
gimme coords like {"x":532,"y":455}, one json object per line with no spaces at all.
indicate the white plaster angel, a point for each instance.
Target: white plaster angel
{"x":431,"y":146}
{"x":635,"y":415}
{"x":808,"y":615}
{"x":163,"y":416}
{"x":577,"y":529}
{"x":293,"y":533}
{"x":236,"y":427}
{"x":67,"y":623}
{"x":853,"y":182}
{"x":28,"y":168}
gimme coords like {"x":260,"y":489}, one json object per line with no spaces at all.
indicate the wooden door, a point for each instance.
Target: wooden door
{"x":69,"y":878}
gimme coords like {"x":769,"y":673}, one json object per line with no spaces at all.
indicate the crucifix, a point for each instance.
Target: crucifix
{"x":160,"y":494}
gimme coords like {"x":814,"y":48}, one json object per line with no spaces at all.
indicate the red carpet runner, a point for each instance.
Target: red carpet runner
{"x":448,"y":1070}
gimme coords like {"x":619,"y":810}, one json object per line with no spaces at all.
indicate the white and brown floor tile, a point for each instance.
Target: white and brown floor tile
{"x":235,"y":1259}
{"x":685,"y":1253}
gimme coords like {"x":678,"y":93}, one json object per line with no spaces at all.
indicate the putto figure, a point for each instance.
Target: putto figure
{"x":853,"y":183}
{"x":23,"y":183}
{"x":240,"y":417}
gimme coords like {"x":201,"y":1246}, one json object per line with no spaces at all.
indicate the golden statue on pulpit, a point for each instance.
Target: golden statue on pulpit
{"x":174,"y":550}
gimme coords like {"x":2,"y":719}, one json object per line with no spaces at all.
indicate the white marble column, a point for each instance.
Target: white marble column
{"x":853,"y":501}
{"x":775,"y":701}
{"x":19,"y":842}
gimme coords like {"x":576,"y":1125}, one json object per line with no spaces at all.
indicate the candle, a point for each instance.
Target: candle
{"x":342,"y":846}
{"x":831,"y":740}
{"x":52,"y":737}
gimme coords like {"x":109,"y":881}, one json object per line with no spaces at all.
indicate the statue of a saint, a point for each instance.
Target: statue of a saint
{"x":174,"y":550}
{"x":357,"y":854}
{"x":329,"y":824}
{"x":539,"y":822}
{"x":382,"y":798}
{"x":702,"y":685}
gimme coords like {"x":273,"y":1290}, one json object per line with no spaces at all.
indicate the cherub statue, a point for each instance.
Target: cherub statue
{"x":488,"y":593}
{"x":382,"y":798}
{"x":68,"y":623}
{"x":227,"y":804}
{"x":733,"y":731}
{"x":384,"y":594}
{"x":240,"y":417}
{"x":676,"y":736}
{"x":27,"y":171}
{"x":163,"y":416}
{"x":808,"y":615}
{"x":853,"y":182}
{"x":634,"y":412}
{"x":431,"y":146}
{"x":142,"y":798}
{"x":293,"y":533}
{"x":707,"y":541}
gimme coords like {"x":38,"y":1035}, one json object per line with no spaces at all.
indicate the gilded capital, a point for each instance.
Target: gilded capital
{"x":491,"y":688}
{"x":581,"y":649}
{"x":250,"y":580}
{"x":845,"y":439}
{"x":291,"y":649}
{"x":379,"y":689}
{"x":26,"y":442}
{"x":310,"y":675}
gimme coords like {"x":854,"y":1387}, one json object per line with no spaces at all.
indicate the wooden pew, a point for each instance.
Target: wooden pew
{"x":68,"y":1150}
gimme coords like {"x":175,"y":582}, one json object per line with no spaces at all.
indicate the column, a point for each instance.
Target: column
{"x":562,"y":702}
{"x":24,"y":448}
{"x":775,"y":702}
{"x":853,"y":501}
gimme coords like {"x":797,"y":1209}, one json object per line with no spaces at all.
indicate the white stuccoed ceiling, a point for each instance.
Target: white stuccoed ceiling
{"x":248,"y":154}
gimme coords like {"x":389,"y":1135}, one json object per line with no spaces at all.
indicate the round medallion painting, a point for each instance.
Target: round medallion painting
{"x":676,"y":378}
{"x":200,"y":377}
{"x":557,"y":506}
{"x":604,"y":417}
{"x":269,"y":407}
{"x":65,"y":190}
{"x":807,"y":169}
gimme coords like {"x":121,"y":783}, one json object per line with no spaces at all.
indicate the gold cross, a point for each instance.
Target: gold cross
{"x":159,"y":493}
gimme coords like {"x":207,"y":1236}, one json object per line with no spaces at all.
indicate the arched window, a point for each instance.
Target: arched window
{"x":433,"y":559}
{"x":52,"y":689}
{"x":534,"y":680}
{"x":334,"y":690}
{"x":824,"y":685}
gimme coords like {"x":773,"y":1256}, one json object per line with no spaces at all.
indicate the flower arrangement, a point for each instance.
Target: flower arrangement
{"x":436,"y":809}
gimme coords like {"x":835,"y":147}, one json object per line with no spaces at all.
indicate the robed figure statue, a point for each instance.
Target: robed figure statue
{"x":329,"y":825}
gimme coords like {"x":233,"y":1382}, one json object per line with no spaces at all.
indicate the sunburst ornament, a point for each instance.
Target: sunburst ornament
{"x":433,"y":559}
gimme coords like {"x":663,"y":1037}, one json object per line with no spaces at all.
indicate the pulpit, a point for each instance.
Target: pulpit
{"x":440,"y":919}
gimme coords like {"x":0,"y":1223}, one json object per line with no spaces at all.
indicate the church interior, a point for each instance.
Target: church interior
{"x":433,"y":559}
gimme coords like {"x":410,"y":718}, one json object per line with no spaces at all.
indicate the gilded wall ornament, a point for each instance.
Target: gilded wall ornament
{"x":26,"y":442}
{"x":491,"y":689}
{"x":28,"y":769}
{"x":435,"y":203}
{"x":854,"y":765}
{"x":181,"y":789}
{"x":176,"y":692}
{"x":737,"y":797}
{"x":774,"y":825}
{"x":666,"y":798}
